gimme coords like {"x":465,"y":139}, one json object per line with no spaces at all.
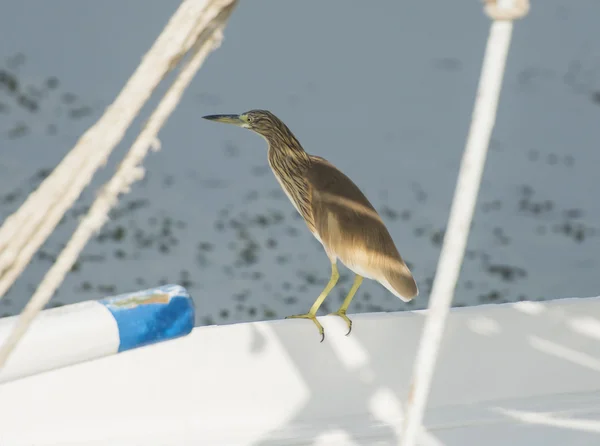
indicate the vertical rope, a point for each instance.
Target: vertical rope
{"x":461,"y":214}
{"x":127,"y":173}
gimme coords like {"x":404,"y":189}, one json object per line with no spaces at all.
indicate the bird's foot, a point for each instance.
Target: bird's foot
{"x":313,"y":318}
{"x":342,"y":313}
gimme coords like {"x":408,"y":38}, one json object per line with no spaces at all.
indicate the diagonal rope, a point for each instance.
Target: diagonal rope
{"x":127,"y":173}
{"x":27,"y":229}
{"x":461,"y":212}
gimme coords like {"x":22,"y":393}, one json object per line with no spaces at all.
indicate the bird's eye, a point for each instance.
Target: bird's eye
{"x":250,"y":118}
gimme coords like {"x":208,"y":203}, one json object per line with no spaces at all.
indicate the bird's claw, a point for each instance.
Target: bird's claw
{"x":342,"y":314}
{"x":313,"y":318}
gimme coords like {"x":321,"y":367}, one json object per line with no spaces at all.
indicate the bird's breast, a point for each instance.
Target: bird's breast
{"x":297,"y":191}
{"x":287,"y":192}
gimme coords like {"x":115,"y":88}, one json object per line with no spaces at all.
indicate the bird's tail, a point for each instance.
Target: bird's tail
{"x":400,"y":282}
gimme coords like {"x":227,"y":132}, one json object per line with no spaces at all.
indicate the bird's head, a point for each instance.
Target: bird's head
{"x":262,"y":122}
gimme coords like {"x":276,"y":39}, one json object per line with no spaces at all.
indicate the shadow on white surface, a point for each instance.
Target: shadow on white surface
{"x":273,"y":383}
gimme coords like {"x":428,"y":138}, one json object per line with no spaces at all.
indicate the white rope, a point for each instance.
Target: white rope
{"x":507,"y":9}
{"x":127,"y":173}
{"x":28,"y":228}
{"x":459,"y":222}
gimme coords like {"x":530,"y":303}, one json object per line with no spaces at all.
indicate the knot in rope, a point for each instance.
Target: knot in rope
{"x":519,"y":10}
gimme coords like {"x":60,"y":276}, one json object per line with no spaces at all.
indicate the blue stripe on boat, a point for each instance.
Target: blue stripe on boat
{"x":150,"y":316}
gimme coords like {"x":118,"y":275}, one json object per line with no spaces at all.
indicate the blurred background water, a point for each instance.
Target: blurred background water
{"x":384,"y":90}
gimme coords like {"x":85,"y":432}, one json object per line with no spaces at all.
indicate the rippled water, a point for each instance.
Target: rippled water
{"x":384,"y":91}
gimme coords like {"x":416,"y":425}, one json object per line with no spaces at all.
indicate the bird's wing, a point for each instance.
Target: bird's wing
{"x":350,"y":227}
{"x":334,"y":195}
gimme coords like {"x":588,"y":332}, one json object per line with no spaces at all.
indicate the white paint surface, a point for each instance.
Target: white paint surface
{"x":273,"y":383}
{"x":60,"y":337}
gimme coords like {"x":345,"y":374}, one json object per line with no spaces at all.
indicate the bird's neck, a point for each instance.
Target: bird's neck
{"x":286,"y":150}
{"x":289,"y":163}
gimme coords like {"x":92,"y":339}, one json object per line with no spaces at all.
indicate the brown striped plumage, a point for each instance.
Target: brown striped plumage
{"x":336,"y":212}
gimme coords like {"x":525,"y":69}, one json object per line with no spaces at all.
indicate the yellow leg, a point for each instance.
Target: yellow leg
{"x":312,"y":313}
{"x":342,"y":311}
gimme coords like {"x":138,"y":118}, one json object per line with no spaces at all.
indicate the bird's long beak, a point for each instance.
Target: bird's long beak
{"x":227,"y":119}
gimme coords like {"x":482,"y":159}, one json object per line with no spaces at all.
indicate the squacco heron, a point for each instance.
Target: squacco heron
{"x":336,"y":212}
